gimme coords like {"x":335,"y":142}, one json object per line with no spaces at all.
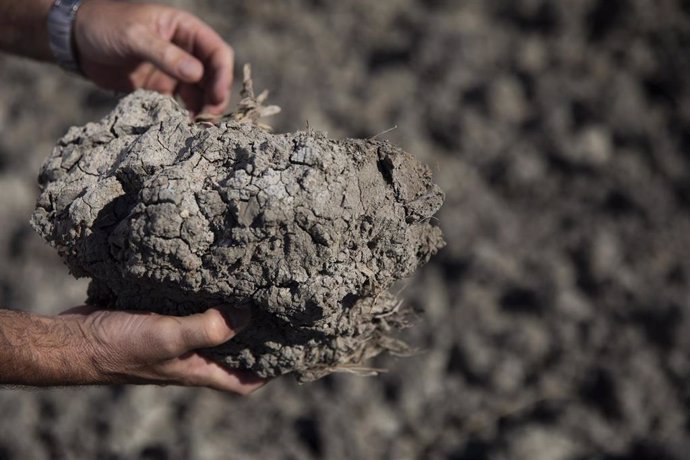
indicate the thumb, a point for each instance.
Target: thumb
{"x":167,"y":57}
{"x":213,"y":327}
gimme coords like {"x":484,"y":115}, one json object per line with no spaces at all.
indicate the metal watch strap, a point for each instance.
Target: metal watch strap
{"x":60,"y":24}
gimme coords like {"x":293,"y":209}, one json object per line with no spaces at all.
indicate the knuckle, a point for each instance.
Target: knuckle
{"x":169,"y":54}
{"x":216,"y":328}
{"x":133,"y":32}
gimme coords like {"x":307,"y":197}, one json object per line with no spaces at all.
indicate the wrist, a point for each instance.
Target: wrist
{"x":67,"y":355}
{"x":23,"y":28}
{"x":83,"y":352}
{"x":60,"y":25}
{"x":92,"y":360}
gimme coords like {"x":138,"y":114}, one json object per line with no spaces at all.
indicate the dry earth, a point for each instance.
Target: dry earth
{"x":173,"y":216}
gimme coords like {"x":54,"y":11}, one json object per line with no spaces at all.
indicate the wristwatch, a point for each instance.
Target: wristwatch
{"x":60,"y":25}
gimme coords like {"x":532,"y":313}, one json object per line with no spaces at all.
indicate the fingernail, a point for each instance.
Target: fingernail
{"x":205,"y":116}
{"x":189,"y":69}
{"x":238,"y":317}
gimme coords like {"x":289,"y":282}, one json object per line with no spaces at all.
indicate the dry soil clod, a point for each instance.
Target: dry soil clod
{"x":174,"y":216}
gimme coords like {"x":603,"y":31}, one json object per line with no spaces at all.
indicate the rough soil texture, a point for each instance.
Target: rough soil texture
{"x":173,"y":216}
{"x":556,"y":321}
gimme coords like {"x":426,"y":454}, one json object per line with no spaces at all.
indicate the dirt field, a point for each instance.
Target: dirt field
{"x":556,"y":323}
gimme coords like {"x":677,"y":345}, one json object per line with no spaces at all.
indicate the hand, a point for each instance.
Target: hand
{"x":124,"y":46}
{"x":133,"y":347}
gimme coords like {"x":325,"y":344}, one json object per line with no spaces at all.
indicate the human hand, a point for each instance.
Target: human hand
{"x":124,"y":46}
{"x":140,"y":347}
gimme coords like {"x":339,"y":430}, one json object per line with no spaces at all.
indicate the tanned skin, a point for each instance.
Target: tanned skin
{"x":123,"y":47}
{"x":86,"y":346}
{"x":23,"y":30}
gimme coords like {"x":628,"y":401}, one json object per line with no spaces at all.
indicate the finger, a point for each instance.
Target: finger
{"x":192,"y":96}
{"x":166,"y":56}
{"x":216,"y":55}
{"x":160,"y":82}
{"x":232,"y":380}
{"x":213,"y":327}
{"x":195,"y":370}
{"x":217,"y":80}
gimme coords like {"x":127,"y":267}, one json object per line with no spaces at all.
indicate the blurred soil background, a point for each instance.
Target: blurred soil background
{"x":556,"y":323}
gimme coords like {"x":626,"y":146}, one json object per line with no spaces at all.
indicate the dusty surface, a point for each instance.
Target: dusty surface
{"x":173,"y":216}
{"x":556,"y":322}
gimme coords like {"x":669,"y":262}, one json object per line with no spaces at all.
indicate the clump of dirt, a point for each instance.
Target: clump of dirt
{"x":176,"y":216}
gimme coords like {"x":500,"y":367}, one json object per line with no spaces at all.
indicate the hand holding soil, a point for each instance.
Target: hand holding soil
{"x":145,"y":348}
{"x":88,"y":346}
